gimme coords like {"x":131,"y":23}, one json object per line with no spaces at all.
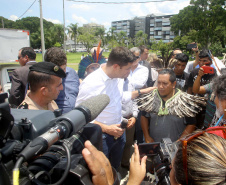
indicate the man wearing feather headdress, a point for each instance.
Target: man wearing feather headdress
{"x":90,"y":63}
{"x":167,"y":111}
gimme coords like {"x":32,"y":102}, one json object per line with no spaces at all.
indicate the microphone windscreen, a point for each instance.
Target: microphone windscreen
{"x":96,"y":104}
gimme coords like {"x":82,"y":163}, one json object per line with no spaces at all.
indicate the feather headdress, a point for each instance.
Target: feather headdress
{"x":85,"y":62}
{"x":181,"y":104}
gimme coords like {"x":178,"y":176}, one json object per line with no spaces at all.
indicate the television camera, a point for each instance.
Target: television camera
{"x":44,"y":147}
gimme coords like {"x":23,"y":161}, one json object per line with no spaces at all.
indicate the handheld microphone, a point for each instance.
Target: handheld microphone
{"x":67,"y":125}
{"x":124,"y":123}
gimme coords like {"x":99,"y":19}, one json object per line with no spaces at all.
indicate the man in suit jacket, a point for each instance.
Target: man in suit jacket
{"x":26,"y":58}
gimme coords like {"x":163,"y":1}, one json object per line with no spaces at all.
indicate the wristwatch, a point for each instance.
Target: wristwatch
{"x":139,"y":92}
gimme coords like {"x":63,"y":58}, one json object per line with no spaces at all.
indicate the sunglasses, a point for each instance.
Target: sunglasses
{"x":220,"y":131}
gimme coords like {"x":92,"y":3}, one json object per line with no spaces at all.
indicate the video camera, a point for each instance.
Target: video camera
{"x":160,"y":156}
{"x":45,"y":147}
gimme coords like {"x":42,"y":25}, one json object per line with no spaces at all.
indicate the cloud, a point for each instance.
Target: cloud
{"x":79,"y":20}
{"x":93,"y":20}
{"x":106,"y":24}
{"x":13,"y":17}
{"x":81,"y":7}
{"x":55,"y":21}
{"x":136,"y":10}
{"x":166,"y":7}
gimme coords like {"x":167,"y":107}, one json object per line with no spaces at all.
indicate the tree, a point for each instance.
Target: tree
{"x":57,"y":32}
{"x":140,"y":38}
{"x":99,"y":33}
{"x":111,"y":38}
{"x":87,"y":37}
{"x":164,"y":48}
{"x":203,"y":16}
{"x":73,"y":30}
{"x":121,"y":38}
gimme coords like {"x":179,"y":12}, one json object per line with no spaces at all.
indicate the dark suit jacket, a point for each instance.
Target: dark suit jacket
{"x":19,"y":82}
{"x":150,"y":82}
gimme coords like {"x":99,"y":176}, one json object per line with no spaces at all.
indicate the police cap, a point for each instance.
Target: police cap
{"x":48,"y":68}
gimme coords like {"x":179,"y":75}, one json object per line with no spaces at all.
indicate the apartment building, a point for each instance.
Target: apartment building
{"x":156,"y":27}
{"x":124,"y":25}
{"x":160,"y":28}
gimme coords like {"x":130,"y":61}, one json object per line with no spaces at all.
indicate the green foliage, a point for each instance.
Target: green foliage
{"x":73,"y":30}
{"x":140,"y":38}
{"x":53,"y":33}
{"x":164,"y":48}
{"x":217,"y":49}
{"x":100,"y":34}
{"x":87,"y":37}
{"x":200,"y":22}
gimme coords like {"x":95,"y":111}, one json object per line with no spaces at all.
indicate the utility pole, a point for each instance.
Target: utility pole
{"x":42,"y":31}
{"x":2,"y":23}
{"x":64,"y":28}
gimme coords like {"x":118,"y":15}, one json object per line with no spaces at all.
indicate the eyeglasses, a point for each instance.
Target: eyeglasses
{"x":186,"y":140}
{"x":137,"y":57}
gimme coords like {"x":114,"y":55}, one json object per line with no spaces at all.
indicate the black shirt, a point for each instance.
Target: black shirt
{"x":182,"y":81}
{"x":207,"y":78}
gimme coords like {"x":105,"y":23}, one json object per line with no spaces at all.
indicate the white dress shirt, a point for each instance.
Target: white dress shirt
{"x":139,"y":76}
{"x":99,"y":83}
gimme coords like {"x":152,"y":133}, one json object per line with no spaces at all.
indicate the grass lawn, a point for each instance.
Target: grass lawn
{"x":73,"y":59}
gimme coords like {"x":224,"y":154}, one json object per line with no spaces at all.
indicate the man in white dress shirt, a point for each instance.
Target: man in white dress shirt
{"x":109,"y":79}
{"x":136,"y":80}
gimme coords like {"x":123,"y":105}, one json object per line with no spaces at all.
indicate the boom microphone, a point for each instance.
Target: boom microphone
{"x":67,"y":125}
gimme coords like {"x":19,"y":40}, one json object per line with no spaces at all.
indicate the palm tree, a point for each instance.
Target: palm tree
{"x":73,"y":29}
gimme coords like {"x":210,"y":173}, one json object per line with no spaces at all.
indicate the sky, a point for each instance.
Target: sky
{"x":83,"y":12}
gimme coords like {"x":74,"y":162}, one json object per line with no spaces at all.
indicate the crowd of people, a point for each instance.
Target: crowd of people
{"x":184,"y":98}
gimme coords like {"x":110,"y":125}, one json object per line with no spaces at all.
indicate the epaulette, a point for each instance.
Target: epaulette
{"x":23,"y":106}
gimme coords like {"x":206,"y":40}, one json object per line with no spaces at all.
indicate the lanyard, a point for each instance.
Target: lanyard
{"x":219,"y":120}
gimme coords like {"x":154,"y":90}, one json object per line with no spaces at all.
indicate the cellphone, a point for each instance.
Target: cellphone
{"x":208,"y":69}
{"x":190,"y":46}
{"x":149,"y":149}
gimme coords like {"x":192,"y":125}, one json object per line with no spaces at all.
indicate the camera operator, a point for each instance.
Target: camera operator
{"x":45,"y":80}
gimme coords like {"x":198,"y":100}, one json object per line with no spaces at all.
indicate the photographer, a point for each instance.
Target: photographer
{"x":204,"y":161}
{"x":103,"y":172}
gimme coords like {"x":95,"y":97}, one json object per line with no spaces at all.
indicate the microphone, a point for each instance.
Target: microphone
{"x":67,"y":125}
{"x":124,"y":123}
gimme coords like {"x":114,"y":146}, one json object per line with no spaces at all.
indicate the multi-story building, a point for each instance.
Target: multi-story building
{"x":124,"y":25}
{"x":160,"y":28}
{"x":139,"y":24}
{"x":156,"y":27}
{"x":93,"y":25}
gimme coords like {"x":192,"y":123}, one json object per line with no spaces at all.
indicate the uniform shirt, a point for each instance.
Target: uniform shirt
{"x":99,"y":83}
{"x":138,"y":78}
{"x":67,"y":97}
{"x":28,"y":103}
